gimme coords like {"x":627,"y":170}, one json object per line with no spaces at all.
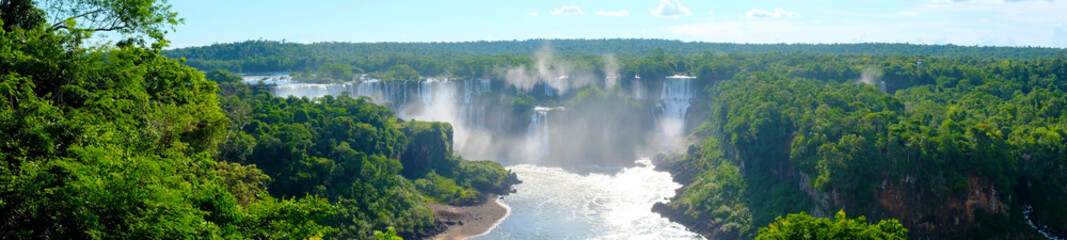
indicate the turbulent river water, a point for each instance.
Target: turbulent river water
{"x":554,"y":203}
{"x":578,"y":202}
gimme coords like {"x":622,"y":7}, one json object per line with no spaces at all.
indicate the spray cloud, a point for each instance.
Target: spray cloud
{"x":872,"y":76}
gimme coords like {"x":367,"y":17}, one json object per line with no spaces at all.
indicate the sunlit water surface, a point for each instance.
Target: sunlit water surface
{"x":553,"y":203}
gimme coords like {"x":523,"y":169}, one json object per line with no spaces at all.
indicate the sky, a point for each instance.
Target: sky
{"x":961,"y":22}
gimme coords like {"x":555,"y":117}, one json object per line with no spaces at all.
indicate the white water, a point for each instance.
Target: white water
{"x":537,"y":142}
{"x":441,"y":100}
{"x":1027,"y":210}
{"x":675,"y":98}
{"x":553,"y":203}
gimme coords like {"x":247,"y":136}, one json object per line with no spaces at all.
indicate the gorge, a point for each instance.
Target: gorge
{"x":581,"y":141}
{"x":392,"y":121}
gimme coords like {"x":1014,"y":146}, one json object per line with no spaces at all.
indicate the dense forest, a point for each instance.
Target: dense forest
{"x":950,"y":144}
{"x":332,"y":61}
{"x":120,"y":142}
{"x":373,"y":167}
{"x":127,"y":140}
{"x":943,"y":142}
{"x":953,"y":147}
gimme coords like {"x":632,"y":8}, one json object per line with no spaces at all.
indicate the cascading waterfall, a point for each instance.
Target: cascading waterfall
{"x":601,"y":205}
{"x":677,"y":95}
{"x":1041,"y":228}
{"x":473,"y":115}
{"x":310,"y":90}
{"x":452,"y":101}
{"x":537,"y":142}
{"x":432,"y":99}
{"x":437,"y":100}
{"x":675,"y":99}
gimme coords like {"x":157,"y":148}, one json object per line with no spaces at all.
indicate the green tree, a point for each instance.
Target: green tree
{"x":132,"y":18}
{"x":336,"y":72}
{"x":117,"y":143}
{"x":222,"y":76}
{"x":403,"y":72}
{"x":804,"y":226}
{"x":388,"y":235}
{"x":20,"y":14}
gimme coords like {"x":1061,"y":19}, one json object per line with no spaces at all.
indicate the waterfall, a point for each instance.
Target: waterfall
{"x":1041,"y":228}
{"x":472,"y":114}
{"x":677,"y":95}
{"x":390,"y":94}
{"x":638,"y":89}
{"x":309,"y":90}
{"x":537,"y":143}
{"x":475,"y":87}
{"x":675,"y":99}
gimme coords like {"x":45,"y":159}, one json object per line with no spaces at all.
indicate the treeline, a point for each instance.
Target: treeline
{"x":333,"y":62}
{"x":121,"y":142}
{"x":955,"y":149}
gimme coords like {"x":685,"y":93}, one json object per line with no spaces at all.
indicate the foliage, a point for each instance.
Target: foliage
{"x":401,"y":72}
{"x":352,"y":152}
{"x":117,"y":143}
{"x":222,"y":76}
{"x":388,"y":235}
{"x":441,"y":189}
{"x":483,"y":175}
{"x":804,"y":226}
{"x":794,"y":132}
{"x":134,"y":18}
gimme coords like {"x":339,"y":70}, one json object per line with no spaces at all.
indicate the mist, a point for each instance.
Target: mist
{"x":611,"y":71}
{"x":555,"y":74}
{"x":547,"y":112}
{"x":872,"y":76}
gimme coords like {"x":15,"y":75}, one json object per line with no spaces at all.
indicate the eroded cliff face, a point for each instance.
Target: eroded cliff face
{"x":926,"y":213}
{"x":921,"y":212}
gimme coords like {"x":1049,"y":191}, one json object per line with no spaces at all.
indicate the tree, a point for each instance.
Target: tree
{"x":117,"y":143}
{"x":21,"y":14}
{"x":804,"y":226}
{"x":222,"y":76}
{"x":403,"y":73}
{"x":336,"y":72}
{"x":388,"y":235}
{"x":133,"y":18}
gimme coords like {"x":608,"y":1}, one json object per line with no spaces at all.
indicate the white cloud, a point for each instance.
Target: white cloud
{"x":568,"y":10}
{"x":533,"y":14}
{"x":777,"y":13}
{"x":1059,"y":35}
{"x":711,"y":13}
{"x":622,"y":13}
{"x":671,"y":8}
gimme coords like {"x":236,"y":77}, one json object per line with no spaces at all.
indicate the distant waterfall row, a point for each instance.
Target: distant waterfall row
{"x":434,"y":100}
{"x":487,"y":125}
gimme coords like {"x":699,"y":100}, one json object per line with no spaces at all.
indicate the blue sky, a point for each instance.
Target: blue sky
{"x":961,"y":22}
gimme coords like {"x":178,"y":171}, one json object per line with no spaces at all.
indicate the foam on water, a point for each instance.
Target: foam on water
{"x":553,"y":203}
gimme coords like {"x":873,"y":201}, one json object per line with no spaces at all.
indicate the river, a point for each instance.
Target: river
{"x":580,"y":202}
{"x":554,"y":203}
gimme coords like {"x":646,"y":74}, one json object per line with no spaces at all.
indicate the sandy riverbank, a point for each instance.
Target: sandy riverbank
{"x":468,"y":221}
